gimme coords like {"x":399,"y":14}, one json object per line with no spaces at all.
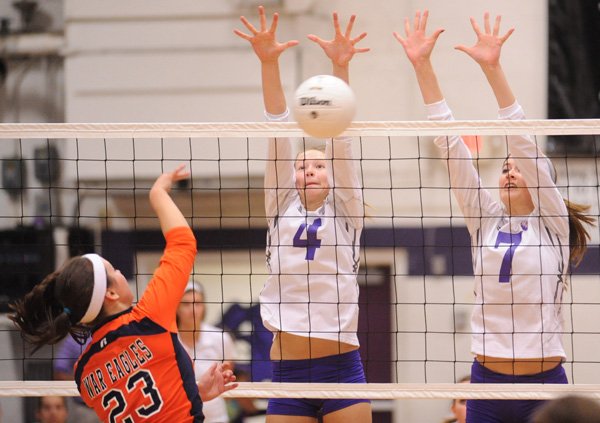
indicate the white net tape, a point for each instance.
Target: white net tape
{"x":273,"y":129}
{"x":374,"y":391}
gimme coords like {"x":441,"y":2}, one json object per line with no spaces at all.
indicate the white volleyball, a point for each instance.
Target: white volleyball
{"x":324,"y":106}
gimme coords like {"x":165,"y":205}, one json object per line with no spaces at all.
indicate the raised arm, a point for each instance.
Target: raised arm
{"x":418,"y":48}
{"x":346,"y":182}
{"x":163,"y":294}
{"x":268,"y":49}
{"x":473,"y":200}
{"x":279,"y":172}
{"x":531,"y":161}
{"x":166,"y":210}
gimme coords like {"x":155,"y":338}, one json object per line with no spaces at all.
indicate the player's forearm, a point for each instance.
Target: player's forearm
{"x":428,"y":83}
{"x":167,"y":211}
{"x":342,"y":72}
{"x":273,"y":95}
{"x":499,"y":84}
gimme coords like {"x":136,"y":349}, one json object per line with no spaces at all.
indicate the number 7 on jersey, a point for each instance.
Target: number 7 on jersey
{"x":513,"y":240}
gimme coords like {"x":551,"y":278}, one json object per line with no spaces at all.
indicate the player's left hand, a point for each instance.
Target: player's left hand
{"x":417,"y":44}
{"x":342,"y":48}
{"x":486,"y":51}
{"x":217,"y":379}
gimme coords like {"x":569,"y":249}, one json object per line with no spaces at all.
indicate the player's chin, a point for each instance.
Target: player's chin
{"x":315,"y":195}
{"x":312,"y":190}
{"x":316,"y":191}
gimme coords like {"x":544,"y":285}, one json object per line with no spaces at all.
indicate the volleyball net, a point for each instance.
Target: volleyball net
{"x":70,"y":189}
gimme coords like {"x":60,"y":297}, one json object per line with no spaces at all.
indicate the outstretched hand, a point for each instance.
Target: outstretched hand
{"x":217,"y":379}
{"x":341,"y":49}
{"x":167,"y":179}
{"x":417,"y":45}
{"x":263,"y":41}
{"x":486,"y":51}
{"x":167,"y":212}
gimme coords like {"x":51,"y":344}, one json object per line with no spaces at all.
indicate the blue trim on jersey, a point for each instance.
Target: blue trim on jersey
{"x":186,"y":369}
{"x":355,"y":251}
{"x":111,"y":318}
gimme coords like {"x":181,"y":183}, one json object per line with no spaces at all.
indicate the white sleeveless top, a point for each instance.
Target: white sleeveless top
{"x":520,"y":262}
{"x":214,"y":345}
{"x":312,"y":256}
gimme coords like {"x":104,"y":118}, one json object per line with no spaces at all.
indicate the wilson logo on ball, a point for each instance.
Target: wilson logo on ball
{"x":313,"y":101}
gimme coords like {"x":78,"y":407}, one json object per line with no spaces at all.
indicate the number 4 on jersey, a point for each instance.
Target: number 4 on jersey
{"x":311,"y":243}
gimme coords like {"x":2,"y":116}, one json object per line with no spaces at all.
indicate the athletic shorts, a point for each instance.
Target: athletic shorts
{"x":342,"y":368}
{"x":508,"y":411}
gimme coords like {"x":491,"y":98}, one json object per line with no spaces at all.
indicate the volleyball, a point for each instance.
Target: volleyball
{"x":324,"y":106}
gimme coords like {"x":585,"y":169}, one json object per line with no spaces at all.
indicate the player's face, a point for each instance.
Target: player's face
{"x":190,"y":312}
{"x":513,"y":189}
{"x":312,"y":180}
{"x":119,"y":284}
{"x":52,"y":410}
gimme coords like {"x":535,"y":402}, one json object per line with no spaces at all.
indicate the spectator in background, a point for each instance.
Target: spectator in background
{"x":64,"y":361}
{"x":569,"y":409}
{"x":204,"y":343}
{"x":52,"y":409}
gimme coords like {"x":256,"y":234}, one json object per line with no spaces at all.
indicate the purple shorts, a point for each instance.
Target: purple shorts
{"x":508,"y":411}
{"x":342,"y":368}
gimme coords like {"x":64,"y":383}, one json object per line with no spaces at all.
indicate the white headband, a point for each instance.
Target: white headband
{"x":99,"y":288}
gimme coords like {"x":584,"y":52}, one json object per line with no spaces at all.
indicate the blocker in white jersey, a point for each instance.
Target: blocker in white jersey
{"x":314,"y":210}
{"x":312,"y":255}
{"x":522,"y":245}
{"x":519,"y":261}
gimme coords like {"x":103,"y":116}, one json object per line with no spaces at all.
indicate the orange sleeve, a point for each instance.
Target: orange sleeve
{"x":164,"y":292}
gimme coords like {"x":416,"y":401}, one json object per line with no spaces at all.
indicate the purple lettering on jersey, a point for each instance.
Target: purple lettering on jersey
{"x":513,"y":240}
{"x":311,"y":243}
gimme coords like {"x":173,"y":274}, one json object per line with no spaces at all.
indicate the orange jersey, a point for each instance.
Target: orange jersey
{"x":135,"y":369}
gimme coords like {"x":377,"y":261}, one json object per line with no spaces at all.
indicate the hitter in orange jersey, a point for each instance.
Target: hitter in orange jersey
{"x":134,"y":369}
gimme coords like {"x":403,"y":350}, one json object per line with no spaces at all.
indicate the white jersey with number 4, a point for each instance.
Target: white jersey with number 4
{"x":312,"y":256}
{"x":519,"y":262}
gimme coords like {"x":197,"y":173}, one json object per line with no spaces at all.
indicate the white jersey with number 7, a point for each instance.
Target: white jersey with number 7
{"x":519,"y":262}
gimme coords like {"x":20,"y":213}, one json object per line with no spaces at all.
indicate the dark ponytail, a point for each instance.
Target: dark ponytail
{"x":578,"y":235}
{"x":53,"y":308}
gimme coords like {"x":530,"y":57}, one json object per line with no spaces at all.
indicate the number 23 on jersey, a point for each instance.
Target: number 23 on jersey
{"x":115,"y":400}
